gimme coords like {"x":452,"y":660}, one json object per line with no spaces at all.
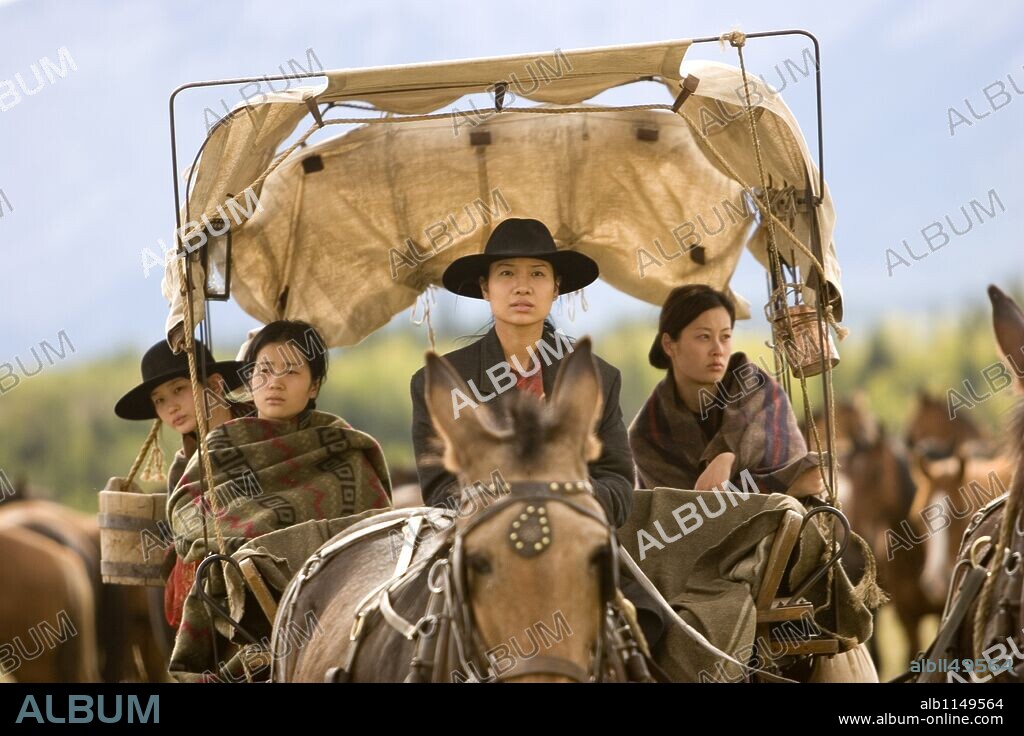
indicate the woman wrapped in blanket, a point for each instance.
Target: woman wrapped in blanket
{"x":288,"y":464}
{"x":716,"y":418}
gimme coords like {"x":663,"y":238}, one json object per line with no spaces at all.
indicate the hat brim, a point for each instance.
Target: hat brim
{"x":137,"y":404}
{"x":575,"y":270}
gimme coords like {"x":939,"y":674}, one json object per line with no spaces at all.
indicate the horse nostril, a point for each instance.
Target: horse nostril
{"x":478,"y":564}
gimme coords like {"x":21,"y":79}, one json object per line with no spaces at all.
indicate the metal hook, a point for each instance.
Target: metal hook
{"x":200,"y":591}
{"x":835,"y":558}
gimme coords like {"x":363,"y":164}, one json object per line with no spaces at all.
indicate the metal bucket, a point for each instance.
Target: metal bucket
{"x":803,"y":345}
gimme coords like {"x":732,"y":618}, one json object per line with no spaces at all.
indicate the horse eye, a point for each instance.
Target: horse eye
{"x":600,"y":556}
{"x":478,"y":564}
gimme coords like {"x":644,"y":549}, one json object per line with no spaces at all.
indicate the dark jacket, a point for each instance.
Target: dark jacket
{"x":611,"y":474}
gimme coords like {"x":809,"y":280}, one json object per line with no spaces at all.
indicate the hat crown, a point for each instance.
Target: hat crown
{"x":519,"y":238}
{"x":160,"y":360}
{"x":522,"y":237}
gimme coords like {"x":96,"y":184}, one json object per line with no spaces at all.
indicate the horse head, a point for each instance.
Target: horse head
{"x":881,"y":481}
{"x":535,"y":566}
{"x":931,"y":432}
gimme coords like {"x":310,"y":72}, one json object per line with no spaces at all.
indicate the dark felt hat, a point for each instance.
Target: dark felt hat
{"x":160,"y":365}
{"x":519,"y":238}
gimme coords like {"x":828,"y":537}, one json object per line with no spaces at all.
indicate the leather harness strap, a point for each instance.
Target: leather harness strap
{"x":543,"y":665}
{"x":950,"y":625}
{"x":522,"y":492}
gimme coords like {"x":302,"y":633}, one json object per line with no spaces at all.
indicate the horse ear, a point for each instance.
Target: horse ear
{"x":460,"y":421}
{"x":576,"y":399}
{"x":1008,"y":323}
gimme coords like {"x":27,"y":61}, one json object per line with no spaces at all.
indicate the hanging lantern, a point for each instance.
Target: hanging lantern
{"x":215,"y":257}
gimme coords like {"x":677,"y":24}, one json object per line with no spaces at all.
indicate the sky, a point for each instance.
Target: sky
{"x":86,"y":175}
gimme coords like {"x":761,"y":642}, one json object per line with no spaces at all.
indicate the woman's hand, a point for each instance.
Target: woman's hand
{"x":808,"y":483}
{"x":716,"y":473}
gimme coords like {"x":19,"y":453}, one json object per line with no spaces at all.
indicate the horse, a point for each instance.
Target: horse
{"x":47,"y":611}
{"x":933,"y":434}
{"x":881,"y":494}
{"x":983,"y":618}
{"x":127,"y":646}
{"x":536,"y":550}
{"x":949,"y":492}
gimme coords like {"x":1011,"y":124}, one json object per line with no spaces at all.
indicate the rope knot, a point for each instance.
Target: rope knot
{"x":736,"y":39}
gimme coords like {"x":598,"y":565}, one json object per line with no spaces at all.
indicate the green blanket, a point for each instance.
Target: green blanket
{"x":712,"y":572}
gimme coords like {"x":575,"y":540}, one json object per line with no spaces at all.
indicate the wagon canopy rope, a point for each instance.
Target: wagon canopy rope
{"x":738,"y":39}
{"x":205,"y":469}
{"x":156,"y":459}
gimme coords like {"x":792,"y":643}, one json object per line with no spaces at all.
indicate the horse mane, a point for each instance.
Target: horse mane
{"x":528,"y":423}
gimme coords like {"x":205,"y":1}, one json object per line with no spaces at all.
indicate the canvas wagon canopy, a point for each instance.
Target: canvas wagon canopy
{"x":348,"y":232}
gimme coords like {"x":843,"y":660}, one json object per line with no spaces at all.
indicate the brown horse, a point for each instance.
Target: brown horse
{"x":128,"y":649}
{"x":47,"y":627}
{"x":540,"y":553}
{"x":932,"y":433}
{"x":878,"y":506}
{"x":949,"y":492}
{"x":984,"y":618}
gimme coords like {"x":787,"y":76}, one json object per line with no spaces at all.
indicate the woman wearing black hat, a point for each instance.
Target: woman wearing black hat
{"x":521,"y":273}
{"x":166,"y":393}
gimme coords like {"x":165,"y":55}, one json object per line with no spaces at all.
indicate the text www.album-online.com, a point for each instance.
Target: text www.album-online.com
{"x":940,"y":719}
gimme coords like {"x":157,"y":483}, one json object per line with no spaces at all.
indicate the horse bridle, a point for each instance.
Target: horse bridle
{"x":532,"y":495}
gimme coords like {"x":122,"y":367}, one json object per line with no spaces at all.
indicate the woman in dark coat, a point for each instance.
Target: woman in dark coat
{"x":520,"y":273}
{"x":716,"y":417}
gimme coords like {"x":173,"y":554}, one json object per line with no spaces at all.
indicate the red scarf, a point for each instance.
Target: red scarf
{"x":533,"y":384}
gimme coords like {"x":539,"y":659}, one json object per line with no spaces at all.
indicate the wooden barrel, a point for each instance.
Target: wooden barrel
{"x":134,"y":536}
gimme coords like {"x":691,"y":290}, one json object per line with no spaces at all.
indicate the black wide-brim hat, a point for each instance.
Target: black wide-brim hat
{"x":519,"y":238}
{"x":160,"y":365}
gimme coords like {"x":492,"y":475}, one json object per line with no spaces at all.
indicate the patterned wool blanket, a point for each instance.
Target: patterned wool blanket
{"x":267,"y":475}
